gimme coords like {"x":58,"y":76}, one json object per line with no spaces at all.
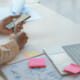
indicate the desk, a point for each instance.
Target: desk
{"x":51,"y":29}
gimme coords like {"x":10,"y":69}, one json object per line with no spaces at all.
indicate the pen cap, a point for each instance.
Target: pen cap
{"x":17,"y":6}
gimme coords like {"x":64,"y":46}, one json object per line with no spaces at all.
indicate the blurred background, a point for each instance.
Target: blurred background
{"x":68,"y":8}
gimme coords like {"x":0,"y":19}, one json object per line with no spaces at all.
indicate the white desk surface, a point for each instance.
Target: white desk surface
{"x":51,"y":29}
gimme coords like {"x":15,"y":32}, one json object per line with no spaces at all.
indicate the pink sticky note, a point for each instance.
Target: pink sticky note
{"x":72,"y":68}
{"x":37,"y":63}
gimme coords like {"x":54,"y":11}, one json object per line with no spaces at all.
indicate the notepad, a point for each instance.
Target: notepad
{"x":37,"y":63}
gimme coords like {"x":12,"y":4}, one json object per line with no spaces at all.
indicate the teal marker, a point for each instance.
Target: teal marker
{"x":10,"y":25}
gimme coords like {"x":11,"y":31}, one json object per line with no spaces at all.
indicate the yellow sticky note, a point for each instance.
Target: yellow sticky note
{"x":32,"y":54}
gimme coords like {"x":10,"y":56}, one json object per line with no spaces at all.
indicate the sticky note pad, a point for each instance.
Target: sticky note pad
{"x":32,"y":54}
{"x":37,"y":63}
{"x":72,"y":68}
